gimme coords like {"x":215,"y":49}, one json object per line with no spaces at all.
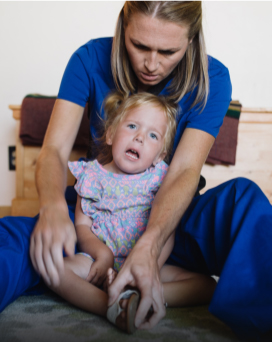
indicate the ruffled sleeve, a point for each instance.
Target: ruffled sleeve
{"x":87,"y":185}
{"x":157,"y":175}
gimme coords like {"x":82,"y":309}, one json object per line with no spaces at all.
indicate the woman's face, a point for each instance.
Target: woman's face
{"x":155,"y":47}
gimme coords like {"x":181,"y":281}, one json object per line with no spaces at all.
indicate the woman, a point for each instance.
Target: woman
{"x":159,"y":47}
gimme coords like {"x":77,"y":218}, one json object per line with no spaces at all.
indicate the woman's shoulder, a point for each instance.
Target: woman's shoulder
{"x":219,"y":82}
{"x":217,"y":69}
{"x":102,"y":45}
{"x":95,"y":53}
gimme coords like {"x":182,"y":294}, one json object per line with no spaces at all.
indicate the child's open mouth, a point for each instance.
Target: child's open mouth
{"x":133,"y":154}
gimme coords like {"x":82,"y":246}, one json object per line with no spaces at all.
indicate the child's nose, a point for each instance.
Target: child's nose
{"x":139,"y":138}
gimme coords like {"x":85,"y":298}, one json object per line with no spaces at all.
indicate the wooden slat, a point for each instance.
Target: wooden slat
{"x":24,"y":207}
{"x":256,"y":110}
{"x":29,"y":165}
{"x":20,"y":152}
{"x":16,"y":111}
{"x":255,"y":117}
{"x":5,"y":211}
{"x":30,"y":161}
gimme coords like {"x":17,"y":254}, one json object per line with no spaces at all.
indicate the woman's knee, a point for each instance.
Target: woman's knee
{"x":243,"y":182}
{"x":246,"y":187}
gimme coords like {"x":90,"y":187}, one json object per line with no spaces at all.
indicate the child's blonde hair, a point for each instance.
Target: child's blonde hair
{"x":117,"y":106}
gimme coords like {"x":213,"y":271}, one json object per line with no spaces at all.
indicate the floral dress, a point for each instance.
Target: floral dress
{"x":119,"y":205}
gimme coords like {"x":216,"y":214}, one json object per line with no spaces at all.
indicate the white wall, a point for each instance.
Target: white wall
{"x":238,"y":33}
{"x":37,"y":39}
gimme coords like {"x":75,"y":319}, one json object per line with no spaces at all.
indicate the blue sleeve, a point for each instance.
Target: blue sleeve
{"x":211,"y":118}
{"x":88,"y":76}
{"x":75,"y":84}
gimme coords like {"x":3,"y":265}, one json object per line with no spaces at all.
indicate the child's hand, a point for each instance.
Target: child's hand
{"x":99,"y":268}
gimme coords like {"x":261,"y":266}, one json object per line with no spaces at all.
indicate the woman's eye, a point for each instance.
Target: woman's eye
{"x":167,"y":53}
{"x":141,"y":47}
{"x":153,"y":136}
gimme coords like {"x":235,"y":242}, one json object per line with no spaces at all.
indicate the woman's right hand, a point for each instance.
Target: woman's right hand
{"x":53,"y":234}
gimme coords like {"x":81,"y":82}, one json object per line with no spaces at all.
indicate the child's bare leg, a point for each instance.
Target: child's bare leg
{"x":76,"y":290}
{"x":184,"y":288}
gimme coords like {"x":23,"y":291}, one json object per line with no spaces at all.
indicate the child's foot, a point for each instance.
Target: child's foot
{"x":122,"y":313}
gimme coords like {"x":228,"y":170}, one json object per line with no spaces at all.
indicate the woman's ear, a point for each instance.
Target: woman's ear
{"x":109,"y":136}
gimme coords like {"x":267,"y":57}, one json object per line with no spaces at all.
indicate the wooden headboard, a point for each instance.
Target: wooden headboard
{"x":253,"y":160}
{"x":26,"y":202}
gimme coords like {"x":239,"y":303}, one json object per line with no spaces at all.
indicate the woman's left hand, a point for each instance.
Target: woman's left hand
{"x":141,"y":271}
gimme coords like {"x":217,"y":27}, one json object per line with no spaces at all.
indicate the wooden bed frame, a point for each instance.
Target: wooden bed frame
{"x":253,"y":160}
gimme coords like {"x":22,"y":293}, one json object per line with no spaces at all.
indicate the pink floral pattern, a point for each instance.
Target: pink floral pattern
{"x":118,"y":204}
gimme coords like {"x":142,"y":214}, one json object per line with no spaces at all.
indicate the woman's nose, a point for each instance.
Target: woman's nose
{"x":151,"y":61}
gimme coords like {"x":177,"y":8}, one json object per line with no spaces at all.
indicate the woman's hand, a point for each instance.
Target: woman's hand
{"x":141,"y":271}
{"x":53,"y":233}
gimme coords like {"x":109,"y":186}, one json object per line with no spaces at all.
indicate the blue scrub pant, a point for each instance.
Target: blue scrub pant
{"x":226,"y":232}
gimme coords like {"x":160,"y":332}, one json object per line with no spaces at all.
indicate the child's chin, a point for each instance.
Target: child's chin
{"x":133,"y":170}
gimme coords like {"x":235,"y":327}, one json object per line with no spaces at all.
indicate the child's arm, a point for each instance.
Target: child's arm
{"x":90,"y":244}
{"x":166,"y":251}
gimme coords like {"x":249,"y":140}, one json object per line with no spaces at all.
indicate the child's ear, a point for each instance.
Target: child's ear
{"x":160,"y":158}
{"x":109,"y":136}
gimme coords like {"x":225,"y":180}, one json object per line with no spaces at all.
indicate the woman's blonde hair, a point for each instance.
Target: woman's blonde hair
{"x":117,"y":106}
{"x":192,"y":70}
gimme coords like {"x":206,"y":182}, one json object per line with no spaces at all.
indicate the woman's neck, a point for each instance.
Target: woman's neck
{"x":142,"y":88}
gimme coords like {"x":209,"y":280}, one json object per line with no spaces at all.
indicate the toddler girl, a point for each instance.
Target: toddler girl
{"x":115,"y":194}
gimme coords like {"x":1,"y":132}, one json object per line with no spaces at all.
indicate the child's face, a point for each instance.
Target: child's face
{"x":138,"y":141}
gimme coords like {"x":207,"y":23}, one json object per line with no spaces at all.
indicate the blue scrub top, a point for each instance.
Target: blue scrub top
{"x":88,"y":78}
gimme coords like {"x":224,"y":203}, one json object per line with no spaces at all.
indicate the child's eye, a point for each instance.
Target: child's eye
{"x":153,"y":136}
{"x":131,"y":126}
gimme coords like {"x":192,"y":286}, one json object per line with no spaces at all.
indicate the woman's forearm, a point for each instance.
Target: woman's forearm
{"x":51,"y":170}
{"x":178,"y":187}
{"x":51,"y":178}
{"x":54,"y":230}
{"x":170,"y":204}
